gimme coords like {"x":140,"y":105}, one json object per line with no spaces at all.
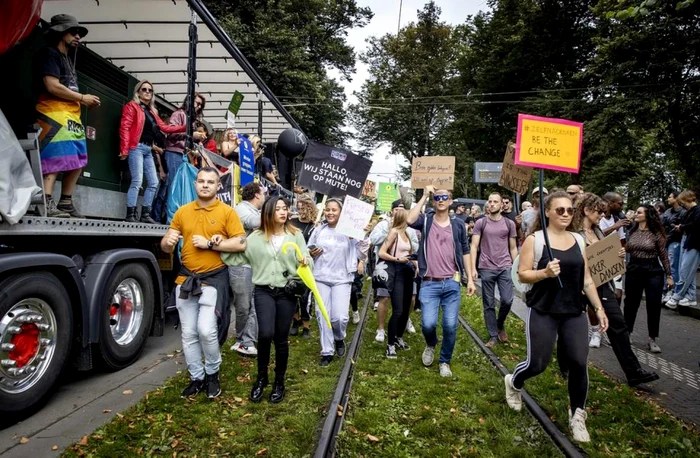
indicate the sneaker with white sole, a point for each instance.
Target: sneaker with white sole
{"x":577,"y":423}
{"x":514,"y":397}
{"x":244,"y":350}
{"x":380,"y":335}
{"x":667,"y":297}
{"x":445,"y":370}
{"x":391,"y":351}
{"x":595,"y":339}
{"x":671,"y":304}
{"x":428,"y":356}
{"x":355,"y":317}
{"x":410,"y":328}
{"x":654,"y":347}
{"x":376,"y":306}
{"x":687,"y":303}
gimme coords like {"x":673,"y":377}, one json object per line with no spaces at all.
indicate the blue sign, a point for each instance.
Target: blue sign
{"x":246,"y":158}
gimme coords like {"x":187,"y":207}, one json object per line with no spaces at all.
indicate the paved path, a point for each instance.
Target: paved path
{"x":678,"y":389}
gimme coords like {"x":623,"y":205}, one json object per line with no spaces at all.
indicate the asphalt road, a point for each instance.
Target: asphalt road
{"x":87,"y":400}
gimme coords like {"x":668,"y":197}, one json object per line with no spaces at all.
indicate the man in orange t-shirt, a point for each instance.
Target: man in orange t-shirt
{"x":206,"y":227}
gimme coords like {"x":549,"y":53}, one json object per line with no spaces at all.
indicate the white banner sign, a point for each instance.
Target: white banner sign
{"x":354,"y":218}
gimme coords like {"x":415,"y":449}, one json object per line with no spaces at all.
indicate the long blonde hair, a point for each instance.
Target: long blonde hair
{"x":137,"y":88}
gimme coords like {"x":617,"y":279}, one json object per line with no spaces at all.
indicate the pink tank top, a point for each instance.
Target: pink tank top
{"x":403,"y":247}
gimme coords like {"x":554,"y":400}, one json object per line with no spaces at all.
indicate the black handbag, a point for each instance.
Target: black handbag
{"x":384,"y":272}
{"x":295,"y":287}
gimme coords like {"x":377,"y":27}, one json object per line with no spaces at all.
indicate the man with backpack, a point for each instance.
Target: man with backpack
{"x":495,"y":240}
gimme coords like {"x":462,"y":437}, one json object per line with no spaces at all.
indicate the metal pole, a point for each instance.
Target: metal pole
{"x":260,"y":117}
{"x":544,"y":223}
{"x":191,"y":77}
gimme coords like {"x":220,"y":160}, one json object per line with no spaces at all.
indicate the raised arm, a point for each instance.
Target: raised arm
{"x":414,"y":213}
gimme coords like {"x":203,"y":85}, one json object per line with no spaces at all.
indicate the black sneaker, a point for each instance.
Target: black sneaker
{"x":66,"y":206}
{"x":642,"y":376}
{"x":391,"y":351}
{"x":325,"y":360}
{"x":213,"y":386}
{"x":401,"y":344}
{"x":294,"y":331}
{"x":193,"y":389}
{"x":305,"y":333}
{"x":52,"y":210}
{"x":277,"y":394}
{"x":256,"y":392}
{"x":340,"y":347}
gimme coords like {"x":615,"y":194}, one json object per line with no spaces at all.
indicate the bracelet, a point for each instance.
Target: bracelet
{"x":597,"y":309}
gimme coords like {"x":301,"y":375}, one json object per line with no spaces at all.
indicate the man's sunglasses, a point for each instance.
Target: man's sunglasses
{"x":146,"y":89}
{"x":73,"y":31}
{"x":561,"y":210}
{"x":441,"y":197}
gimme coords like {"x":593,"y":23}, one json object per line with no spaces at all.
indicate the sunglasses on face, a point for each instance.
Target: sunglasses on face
{"x":74,"y":32}
{"x":561,"y":210}
{"x":442,"y":197}
{"x":147,"y":90}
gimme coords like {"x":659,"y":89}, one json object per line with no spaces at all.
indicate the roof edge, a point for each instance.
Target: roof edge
{"x":226,"y":41}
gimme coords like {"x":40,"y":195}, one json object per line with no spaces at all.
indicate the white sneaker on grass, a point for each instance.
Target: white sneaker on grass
{"x":577,"y":423}
{"x":355,"y":317}
{"x":428,"y":356}
{"x":380,"y":335}
{"x":244,"y":350}
{"x":410,"y":328}
{"x":376,"y":306}
{"x":514,"y":397}
{"x":595,"y":337}
{"x":445,"y":370}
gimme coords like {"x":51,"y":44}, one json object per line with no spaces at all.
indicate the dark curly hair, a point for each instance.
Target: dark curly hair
{"x":653,"y":221}
{"x":587,"y":201}
{"x":249,"y":191}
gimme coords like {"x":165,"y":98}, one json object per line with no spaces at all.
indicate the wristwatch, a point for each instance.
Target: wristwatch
{"x":210,"y":244}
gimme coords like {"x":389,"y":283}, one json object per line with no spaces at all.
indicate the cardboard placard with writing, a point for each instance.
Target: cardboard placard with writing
{"x":604,"y":261}
{"x":354,"y":218}
{"x":515,"y":178}
{"x":438,"y":171}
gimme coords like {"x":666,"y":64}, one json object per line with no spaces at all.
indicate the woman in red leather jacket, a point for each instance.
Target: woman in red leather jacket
{"x":139,"y":124}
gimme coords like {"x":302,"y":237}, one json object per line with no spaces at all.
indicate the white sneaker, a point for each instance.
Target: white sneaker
{"x":654,"y":347}
{"x":687,"y":303}
{"x":445,"y":370}
{"x":595,"y":339}
{"x":380,"y":335}
{"x":355,"y":317}
{"x":667,"y":297}
{"x":577,"y":423}
{"x":244,"y":350}
{"x":514,"y":397}
{"x":428,"y":356}
{"x":672,"y":304}
{"x":376,"y":306}
{"x":410,"y":328}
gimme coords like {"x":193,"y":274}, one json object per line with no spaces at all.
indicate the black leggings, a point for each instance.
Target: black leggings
{"x":356,"y":291}
{"x":302,"y":306}
{"x":638,"y":281}
{"x":274,"y":309}
{"x":401,"y":295}
{"x":542,"y":330}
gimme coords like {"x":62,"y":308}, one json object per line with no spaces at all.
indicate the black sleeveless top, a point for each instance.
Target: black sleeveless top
{"x":547,"y":296}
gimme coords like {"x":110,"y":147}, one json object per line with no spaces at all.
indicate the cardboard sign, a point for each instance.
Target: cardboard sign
{"x":334,"y":172}
{"x":354,"y":218}
{"x":515,"y":178}
{"x":549,"y":143}
{"x":438,"y":171}
{"x":246,"y":158}
{"x":604,"y":261}
{"x":388,"y":193}
{"x":235,"y":103}
{"x":370,"y":189}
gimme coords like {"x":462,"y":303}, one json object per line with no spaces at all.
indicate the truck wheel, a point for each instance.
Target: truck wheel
{"x":36,"y":331}
{"x":126,"y":316}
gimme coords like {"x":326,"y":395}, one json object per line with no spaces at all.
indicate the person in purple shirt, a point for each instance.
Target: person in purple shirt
{"x":494,"y":238}
{"x":443,"y":265}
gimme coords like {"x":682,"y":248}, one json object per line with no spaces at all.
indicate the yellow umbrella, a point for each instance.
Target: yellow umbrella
{"x":307,"y":277}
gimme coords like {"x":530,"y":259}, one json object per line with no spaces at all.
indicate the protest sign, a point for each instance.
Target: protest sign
{"x":515,"y":178}
{"x":354,"y":218}
{"x":334,"y":172}
{"x":604,"y":261}
{"x":438,"y":171}
{"x":235,"y":105}
{"x":224,"y":193}
{"x":388,"y":193}
{"x":370,"y":189}
{"x":246,"y":158}
{"x":549,"y":143}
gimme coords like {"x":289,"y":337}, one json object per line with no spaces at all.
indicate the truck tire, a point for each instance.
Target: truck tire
{"x":125,"y":319}
{"x":36,"y":332}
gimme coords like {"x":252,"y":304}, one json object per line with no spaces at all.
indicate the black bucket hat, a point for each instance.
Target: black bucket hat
{"x":61,"y":23}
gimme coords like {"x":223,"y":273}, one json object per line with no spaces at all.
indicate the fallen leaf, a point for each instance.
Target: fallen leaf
{"x":128,"y":392}
{"x":54,"y":448}
{"x":238,"y":399}
{"x":372,"y":438}
{"x":453,"y":410}
{"x":305,"y":371}
{"x":481,"y":420}
{"x":405,"y":433}
{"x":247,"y":415}
{"x":174,"y":443}
{"x":169,"y":418}
{"x":23,"y":440}
{"x":120,"y":416}
{"x":262,"y":451}
{"x":97,"y":436}
{"x":83,"y":441}
{"x":107,"y":411}
{"x":352,"y":429}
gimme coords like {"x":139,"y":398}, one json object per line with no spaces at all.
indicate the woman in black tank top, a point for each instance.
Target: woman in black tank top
{"x":557,"y":311}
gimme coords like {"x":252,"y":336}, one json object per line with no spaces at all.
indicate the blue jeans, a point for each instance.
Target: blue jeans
{"x":199,"y":332}
{"x":489,"y":280}
{"x":433,"y":294}
{"x":241,"y":281}
{"x":141,"y":163}
{"x":690,"y":259}
{"x":674,"y":258}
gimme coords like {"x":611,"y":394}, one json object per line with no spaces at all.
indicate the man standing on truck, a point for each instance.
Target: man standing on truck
{"x":206,"y":227}
{"x":62,"y":139}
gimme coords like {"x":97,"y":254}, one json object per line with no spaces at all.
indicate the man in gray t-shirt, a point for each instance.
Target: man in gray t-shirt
{"x":494,"y":237}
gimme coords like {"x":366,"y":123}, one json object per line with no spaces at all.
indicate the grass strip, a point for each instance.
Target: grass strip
{"x":399,"y":408}
{"x":622,"y":421}
{"x":163,"y":424}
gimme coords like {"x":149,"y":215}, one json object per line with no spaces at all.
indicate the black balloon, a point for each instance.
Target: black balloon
{"x":292,"y":142}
